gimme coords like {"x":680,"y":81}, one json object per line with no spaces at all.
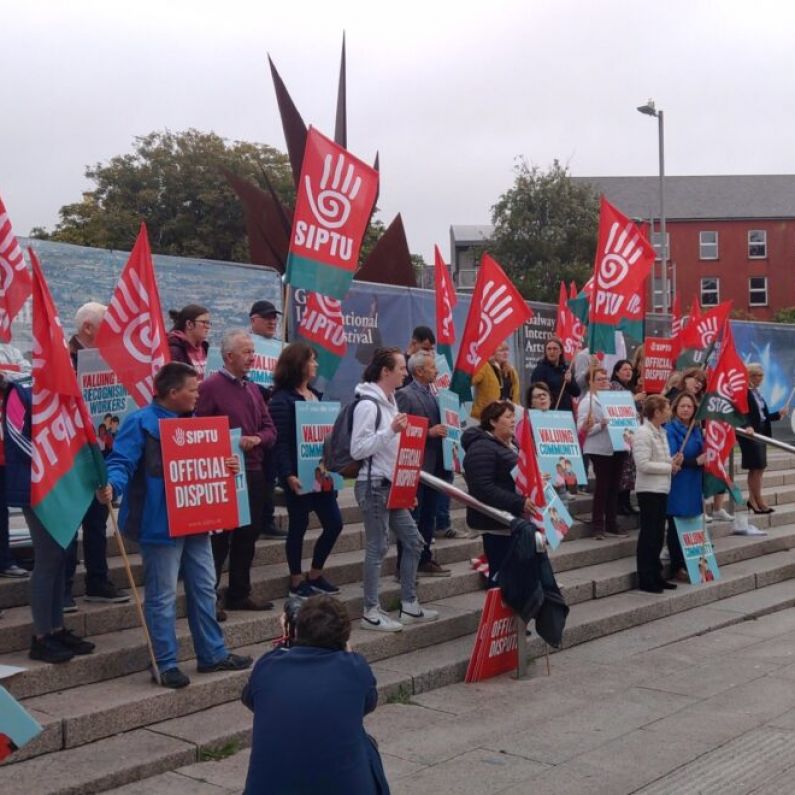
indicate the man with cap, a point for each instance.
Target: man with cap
{"x":265,"y":323}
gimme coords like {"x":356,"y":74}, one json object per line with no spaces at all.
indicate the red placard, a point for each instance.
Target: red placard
{"x":406,"y":477}
{"x":200,"y":491}
{"x":658,"y":362}
{"x":496,"y":643}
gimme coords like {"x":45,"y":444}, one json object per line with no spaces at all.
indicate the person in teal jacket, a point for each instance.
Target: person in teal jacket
{"x":135,"y":470}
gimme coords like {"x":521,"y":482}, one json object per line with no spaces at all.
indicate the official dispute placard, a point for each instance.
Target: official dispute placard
{"x":406,"y":476}
{"x":200,"y":490}
{"x":658,"y":362}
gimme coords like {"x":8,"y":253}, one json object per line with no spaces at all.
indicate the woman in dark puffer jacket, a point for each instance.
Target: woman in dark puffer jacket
{"x":555,"y":372}
{"x":490,"y":456}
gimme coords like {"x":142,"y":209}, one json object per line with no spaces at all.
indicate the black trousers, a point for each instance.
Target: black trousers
{"x":238,"y":544}
{"x":650,"y":540}
{"x":675,"y":547}
{"x":607,"y":470}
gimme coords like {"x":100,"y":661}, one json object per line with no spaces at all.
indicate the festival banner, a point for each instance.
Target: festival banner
{"x":17,"y":726}
{"x":450,"y":411}
{"x":658,"y":362}
{"x":200,"y":490}
{"x":559,"y":453}
{"x":15,"y":280}
{"x":496,"y":649}
{"x":241,"y":484}
{"x":266,"y":354}
{"x":336,"y":195}
{"x":314,"y":420}
{"x":556,"y":517}
{"x":323,"y":327}
{"x":622,"y":418}
{"x":702,"y":567}
{"x":406,"y":476}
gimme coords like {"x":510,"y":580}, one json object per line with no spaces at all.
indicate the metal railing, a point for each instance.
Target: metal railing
{"x":768,"y":440}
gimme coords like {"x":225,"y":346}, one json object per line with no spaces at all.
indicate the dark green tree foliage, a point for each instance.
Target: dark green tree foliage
{"x":545,"y":230}
{"x":173,"y":182}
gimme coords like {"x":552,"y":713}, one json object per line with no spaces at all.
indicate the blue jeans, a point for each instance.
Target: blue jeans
{"x":192,"y":557}
{"x":95,"y":548}
{"x":378,"y":521}
{"x":6,"y":558}
{"x":425,"y":517}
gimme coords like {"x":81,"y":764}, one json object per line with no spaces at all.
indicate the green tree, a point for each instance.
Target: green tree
{"x":785,"y":315}
{"x":545,"y":230}
{"x":173,"y":182}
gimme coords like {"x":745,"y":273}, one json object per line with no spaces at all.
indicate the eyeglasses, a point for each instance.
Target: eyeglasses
{"x":205,"y":323}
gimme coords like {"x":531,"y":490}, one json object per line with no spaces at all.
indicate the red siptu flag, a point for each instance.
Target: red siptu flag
{"x":719,"y":441}
{"x":496,"y":311}
{"x":132,"y":336}
{"x":568,"y":328}
{"x":726,"y":395}
{"x":676,"y":326}
{"x":624,"y":258}
{"x":66,"y":465}
{"x":15,"y":281}
{"x":703,"y":330}
{"x":322,"y":324}
{"x":446,"y":299}
{"x":529,"y":482}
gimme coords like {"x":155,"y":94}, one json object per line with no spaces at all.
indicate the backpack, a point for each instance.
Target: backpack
{"x":337,"y":445}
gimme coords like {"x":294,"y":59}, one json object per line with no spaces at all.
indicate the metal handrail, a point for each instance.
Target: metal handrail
{"x":437,"y":484}
{"x":758,"y":437}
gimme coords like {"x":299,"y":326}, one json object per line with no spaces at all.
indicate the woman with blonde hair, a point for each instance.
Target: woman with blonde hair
{"x":496,"y":380}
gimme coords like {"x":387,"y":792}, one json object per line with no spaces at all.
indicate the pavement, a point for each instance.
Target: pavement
{"x":634,"y":712}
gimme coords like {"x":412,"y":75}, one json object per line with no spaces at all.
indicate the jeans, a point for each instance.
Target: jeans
{"x":378,"y":521}
{"x":47,"y":579}
{"x":238,"y":544}
{"x":95,"y":545}
{"x":425,"y":517}
{"x":299,"y":506}
{"x":650,"y":539}
{"x":192,"y":557}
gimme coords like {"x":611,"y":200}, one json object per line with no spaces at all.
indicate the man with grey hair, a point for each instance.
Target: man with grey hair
{"x":416,"y":398}
{"x":229,"y":393}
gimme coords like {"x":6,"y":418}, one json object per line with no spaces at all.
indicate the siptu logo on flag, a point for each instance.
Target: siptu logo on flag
{"x":336,"y":194}
{"x":322,"y":325}
{"x":677,"y":326}
{"x":719,"y":440}
{"x":446,"y":299}
{"x":568,"y":327}
{"x":726,"y":395}
{"x":496,"y":311}
{"x":623,"y":260}
{"x":529,"y":481}
{"x":15,"y":281}
{"x":132,"y":336}
{"x":66,"y":465}
{"x":700,"y":335}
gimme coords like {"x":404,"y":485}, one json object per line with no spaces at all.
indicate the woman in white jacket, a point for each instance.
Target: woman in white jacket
{"x":654,"y":465}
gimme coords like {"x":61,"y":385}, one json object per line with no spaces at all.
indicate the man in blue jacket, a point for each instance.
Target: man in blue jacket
{"x":135,"y":469}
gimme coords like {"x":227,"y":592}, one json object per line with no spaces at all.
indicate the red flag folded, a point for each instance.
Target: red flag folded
{"x":726,"y":395}
{"x":719,"y":441}
{"x":132,"y":336}
{"x":15,"y":281}
{"x":529,"y":482}
{"x":446,"y":299}
{"x":322,"y":324}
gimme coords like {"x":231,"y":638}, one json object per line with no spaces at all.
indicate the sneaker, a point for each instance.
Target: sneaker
{"x":413,"y":613}
{"x":49,"y":650}
{"x":599,"y":535}
{"x":432,"y":569}
{"x":448,"y":532}
{"x":73,"y":642}
{"x":69,"y":604}
{"x":248,"y":604}
{"x":665,"y":556}
{"x":303,"y":590}
{"x":707,"y":518}
{"x":753,"y":530}
{"x":220,"y":615}
{"x":616,"y":534}
{"x":375,"y":619}
{"x":14,"y":571}
{"x":668,"y":586}
{"x":722,"y":515}
{"x":322,"y":586}
{"x":106,"y":592}
{"x":172,"y":678}
{"x":232,"y":662}
{"x":274,"y":531}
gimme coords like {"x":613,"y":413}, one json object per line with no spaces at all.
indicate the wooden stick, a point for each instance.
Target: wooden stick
{"x":134,"y":589}
{"x":285,"y":311}
{"x":563,"y":385}
{"x":546,"y":651}
{"x":687,"y":435}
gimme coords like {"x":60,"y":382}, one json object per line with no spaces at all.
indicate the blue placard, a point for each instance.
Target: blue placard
{"x":697,"y":548}
{"x":450,"y":411}
{"x":313,"y":422}
{"x":557,"y":519}
{"x":622,"y":418}
{"x":558,"y":448}
{"x":15,"y":722}
{"x":443,"y":374}
{"x":266,"y":353}
{"x":241,"y":487}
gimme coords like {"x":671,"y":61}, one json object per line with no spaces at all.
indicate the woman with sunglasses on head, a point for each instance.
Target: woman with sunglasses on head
{"x":187,"y":340}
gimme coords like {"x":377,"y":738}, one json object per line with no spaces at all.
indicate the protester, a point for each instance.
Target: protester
{"x":490,"y":457}
{"x":622,"y":380}
{"x":8,"y":565}
{"x":539,"y":398}
{"x":685,"y":497}
{"x":416,"y":398}
{"x":264,"y":317}
{"x":99,"y":587}
{"x":556,"y":373}
{"x":135,"y":470}
{"x":295,"y":369}
{"x":497,"y":379}
{"x":422,"y":339}
{"x":375,"y":439}
{"x":607,"y":463}
{"x":754,"y":454}
{"x":187,"y":340}
{"x":318,"y":690}
{"x":655,"y":465}
{"x":693,"y":381}
{"x":229,"y":393}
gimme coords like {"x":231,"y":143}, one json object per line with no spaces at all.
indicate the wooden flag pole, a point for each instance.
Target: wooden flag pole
{"x":285,"y":311}
{"x":687,"y":435}
{"x":563,"y":385}
{"x":546,"y":652}
{"x":136,"y":596}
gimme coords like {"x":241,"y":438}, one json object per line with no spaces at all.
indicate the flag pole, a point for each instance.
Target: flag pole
{"x":563,"y":385}
{"x":285,"y":311}
{"x":546,"y":652}
{"x":136,"y":596}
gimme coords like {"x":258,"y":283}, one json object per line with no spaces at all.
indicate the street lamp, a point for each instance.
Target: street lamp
{"x":650,"y":110}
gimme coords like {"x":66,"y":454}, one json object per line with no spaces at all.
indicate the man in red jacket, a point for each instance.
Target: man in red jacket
{"x":229,"y":393}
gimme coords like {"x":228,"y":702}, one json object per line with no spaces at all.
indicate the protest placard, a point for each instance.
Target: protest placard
{"x":496,"y":642}
{"x":450,"y":411}
{"x":241,"y":485}
{"x":658,"y":362}
{"x":443,"y":373}
{"x":697,"y":548}
{"x":200,"y":490}
{"x":406,"y":476}
{"x":557,"y":447}
{"x":17,"y":726}
{"x":556,"y":517}
{"x":313,"y":422}
{"x":622,"y":417}
{"x":266,"y":354}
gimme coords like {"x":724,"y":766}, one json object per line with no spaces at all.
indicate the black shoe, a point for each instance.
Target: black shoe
{"x":650,"y":588}
{"x":220,"y":615}
{"x":273,"y":531}
{"x":322,"y":586}
{"x":49,"y":650}
{"x":172,"y":678}
{"x":668,"y":586}
{"x":106,"y":592}
{"x":69,"y":605}
{"x":232,"y":662}
{"x":73,"y":642}
{"x":248,"y":604}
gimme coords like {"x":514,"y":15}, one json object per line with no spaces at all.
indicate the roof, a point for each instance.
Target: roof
{"x":469,"y":234}
{"x":701,"y":197}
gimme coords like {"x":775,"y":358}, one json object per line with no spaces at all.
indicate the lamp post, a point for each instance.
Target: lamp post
{"x":650,"y":110}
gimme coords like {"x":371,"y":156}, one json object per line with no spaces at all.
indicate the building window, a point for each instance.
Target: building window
{"x":656,"y":239}
{"x":707,"y":245}
{"x":757,"y":244}
{"x":710,"y":291}
{"x":757,"y":291}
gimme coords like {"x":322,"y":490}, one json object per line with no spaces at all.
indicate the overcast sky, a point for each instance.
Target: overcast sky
{"x":450,"y":93}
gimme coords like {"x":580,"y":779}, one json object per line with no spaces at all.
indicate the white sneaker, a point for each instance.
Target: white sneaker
{"x":722,"y":515}
{"x":753,"y":530}
{"x":707,"y":518}
{"x":413,"y":613}
{"x":379,"y":621}
{"x":665,"y":555}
